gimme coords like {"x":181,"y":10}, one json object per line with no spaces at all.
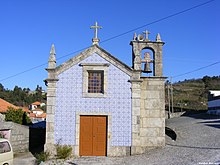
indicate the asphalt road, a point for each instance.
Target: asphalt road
{"x":197,"y":143}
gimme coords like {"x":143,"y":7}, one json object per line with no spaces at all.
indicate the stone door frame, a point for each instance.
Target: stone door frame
{"x":108,"y":127}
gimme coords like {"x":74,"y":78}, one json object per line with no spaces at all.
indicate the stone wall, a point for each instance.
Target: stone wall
{"x":19,"y":136}
{"x":152,"y":127}
{"x":150,"y":130}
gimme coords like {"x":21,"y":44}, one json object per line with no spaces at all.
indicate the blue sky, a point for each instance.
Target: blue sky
{"x":28,"y":28}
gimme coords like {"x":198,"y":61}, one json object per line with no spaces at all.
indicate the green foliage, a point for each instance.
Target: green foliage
{"x":63,"y":151}
{"x":193,"y":94}
{"x":44,"y":108}
{"x":22,"y":97}
{"x":42,"y":157}
{"x":17,"y":116}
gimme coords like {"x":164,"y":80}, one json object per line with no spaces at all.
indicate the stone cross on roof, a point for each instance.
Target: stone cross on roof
{"x":95,"y":40}
{"x":146,"y":35}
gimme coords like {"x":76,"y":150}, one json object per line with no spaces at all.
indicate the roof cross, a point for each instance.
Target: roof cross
{"x":96,"y":27}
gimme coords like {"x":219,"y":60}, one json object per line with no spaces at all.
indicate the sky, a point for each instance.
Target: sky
{"x":29,"y":28}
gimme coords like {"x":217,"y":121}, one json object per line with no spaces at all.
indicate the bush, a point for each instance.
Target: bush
{"x":63,"y":151}
{"x":42,"y":156}
{"x":17,"y":116}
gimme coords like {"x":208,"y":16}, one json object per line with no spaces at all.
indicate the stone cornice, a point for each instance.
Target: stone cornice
{"x":135,"y":80}
{"x":51,"y":79}
{"x":50,"y":69}
{"x":154,"y":77}
{"x":94,"y":64}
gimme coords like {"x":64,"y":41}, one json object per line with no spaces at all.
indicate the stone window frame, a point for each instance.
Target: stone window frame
{"x":95,"y":67}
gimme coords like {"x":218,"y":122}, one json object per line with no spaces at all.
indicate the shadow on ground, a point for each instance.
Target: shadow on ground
{"x":169,"y":132}
{"x":211,"y":120}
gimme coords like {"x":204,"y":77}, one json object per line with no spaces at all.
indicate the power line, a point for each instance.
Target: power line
{"x":158,"y":20}
{"x":17,"y":74}
{"x":197,"y":69}
{"x":119,"y":35}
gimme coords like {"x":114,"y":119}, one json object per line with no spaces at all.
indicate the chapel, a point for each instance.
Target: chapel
{"x":100,"y":106}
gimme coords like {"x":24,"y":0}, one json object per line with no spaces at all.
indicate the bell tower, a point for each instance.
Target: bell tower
{"x":148,"y":96}
{"x":141,"y":42}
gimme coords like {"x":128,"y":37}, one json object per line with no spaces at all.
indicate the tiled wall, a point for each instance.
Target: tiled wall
{"x":69,"y":100}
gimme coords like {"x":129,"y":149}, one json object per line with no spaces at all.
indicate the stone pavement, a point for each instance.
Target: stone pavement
{"x":197,"y":144}
{"x":24,"y":159}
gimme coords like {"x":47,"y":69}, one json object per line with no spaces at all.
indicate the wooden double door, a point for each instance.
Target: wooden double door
{"x":93,"y":136}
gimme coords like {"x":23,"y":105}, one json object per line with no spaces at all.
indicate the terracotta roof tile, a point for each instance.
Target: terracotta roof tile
{"x":43,"y":115}
{"x":4,"y":106}
{"x":32,"y":115}
{"x":36,"y":103}
{"x":38,"y":109}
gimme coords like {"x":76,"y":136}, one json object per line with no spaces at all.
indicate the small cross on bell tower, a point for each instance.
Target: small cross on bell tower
{"x":146,"y":35}
{"x":95,"y":40}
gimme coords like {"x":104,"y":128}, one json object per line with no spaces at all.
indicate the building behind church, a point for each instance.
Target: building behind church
{"x":214,"y":102}
{"x":102,"y":107}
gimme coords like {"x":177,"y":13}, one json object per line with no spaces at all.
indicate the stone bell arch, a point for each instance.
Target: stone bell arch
{"x":140,"y":43}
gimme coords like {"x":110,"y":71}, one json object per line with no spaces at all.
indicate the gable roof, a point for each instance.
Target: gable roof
{"x":43,"y":115}
{"x":4,"y":106}
{"x":34,"y":115}
{"x":36,"y":103}
{"x":38,"y":110}
{"x":90,"y":51}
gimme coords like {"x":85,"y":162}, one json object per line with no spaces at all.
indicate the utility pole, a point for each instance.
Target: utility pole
{"x":171,"y":91}
{"x":181,"y":106}
{"x":168,"y":97}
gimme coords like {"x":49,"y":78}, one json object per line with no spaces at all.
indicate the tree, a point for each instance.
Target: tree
{"x":17,"y":116}
{"x":206,"y":80}
{"x":1,"y":88}
{"x":22,"y":96}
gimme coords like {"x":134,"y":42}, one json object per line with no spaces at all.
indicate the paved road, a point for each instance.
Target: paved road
{"x":24,"y":159}
{"x":198,"y":142}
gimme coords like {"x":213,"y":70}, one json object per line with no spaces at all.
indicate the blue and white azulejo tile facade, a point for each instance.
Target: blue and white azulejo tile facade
{"x":69,"y":101}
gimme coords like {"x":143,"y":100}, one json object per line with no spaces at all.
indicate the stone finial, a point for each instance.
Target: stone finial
{"x":52,"y":58}
{"x":158,"y":39}
{"x":135,"y":37}
{"x":95,"y":40}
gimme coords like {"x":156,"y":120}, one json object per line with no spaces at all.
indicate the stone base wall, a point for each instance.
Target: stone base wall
{"x":112,"y":150}
{"x":51,"y":149}
{"x":118,"y":151}
{"x":152,"y":125}
{"x":151,"y":131}
{"x":19,"y":136}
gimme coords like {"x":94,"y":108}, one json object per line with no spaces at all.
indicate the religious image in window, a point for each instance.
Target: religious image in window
{"x":95,"y":82}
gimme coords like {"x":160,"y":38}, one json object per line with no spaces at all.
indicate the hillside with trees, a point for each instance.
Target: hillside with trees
{"x":22,"y":96}
{"x":193,"y":94}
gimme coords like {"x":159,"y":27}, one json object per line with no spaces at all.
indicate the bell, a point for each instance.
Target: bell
{"x":147,"y":68}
